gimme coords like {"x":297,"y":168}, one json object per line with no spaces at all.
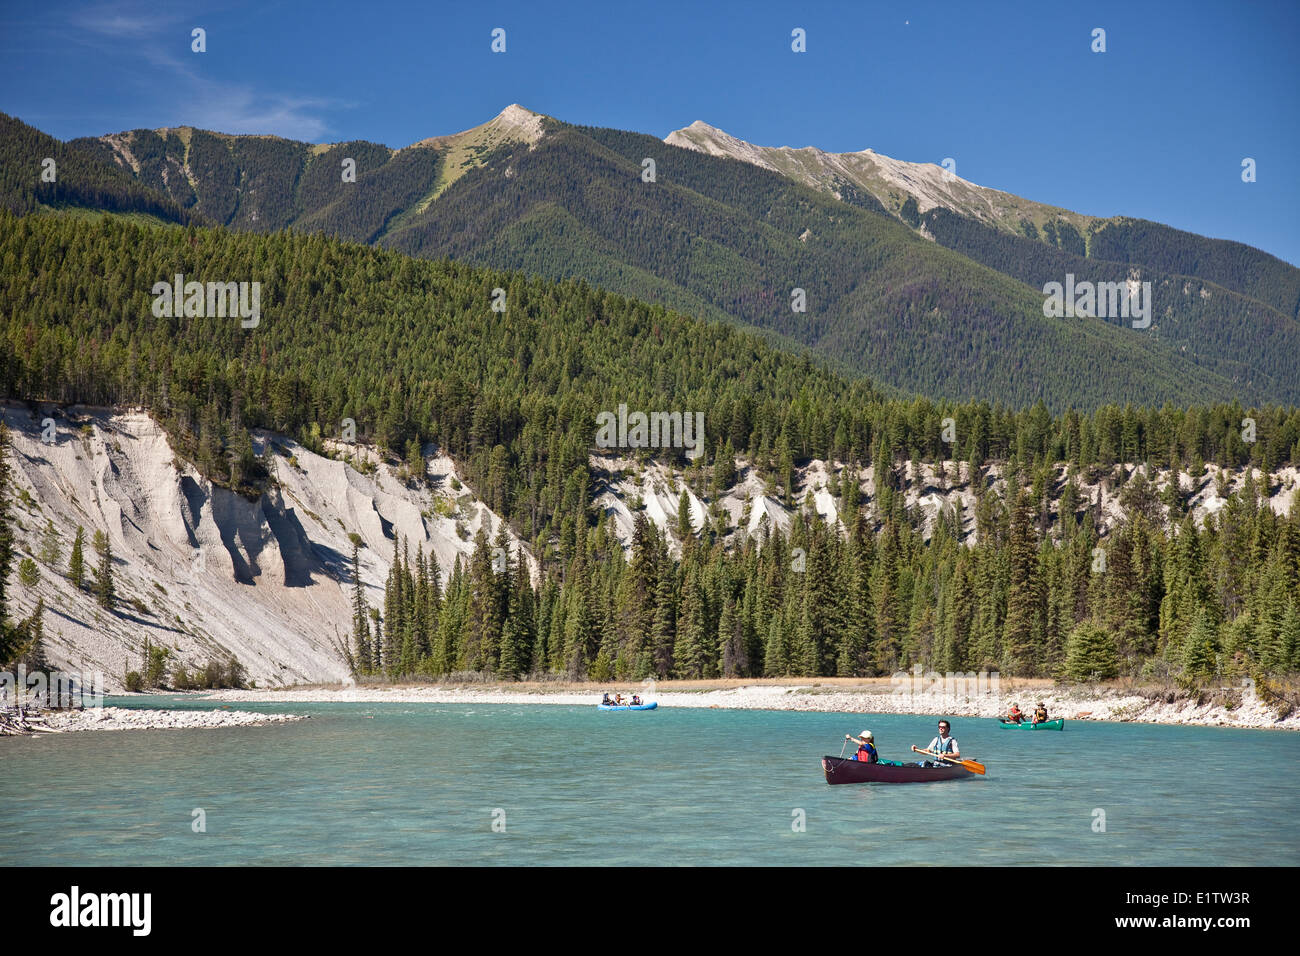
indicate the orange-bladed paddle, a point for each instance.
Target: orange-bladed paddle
{"x":970,"y":765}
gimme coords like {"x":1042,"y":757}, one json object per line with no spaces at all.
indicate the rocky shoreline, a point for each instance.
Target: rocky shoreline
{"x":1115,"y":705}
{"x":125,"y":718}
{"x":1101,"y":705}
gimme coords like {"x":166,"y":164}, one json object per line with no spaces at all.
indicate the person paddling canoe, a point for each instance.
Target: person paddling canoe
{"x":944,"y":743}
{"x":866,"y":747}
{"x":1016,"y":715}
{"x":1040,"y":715}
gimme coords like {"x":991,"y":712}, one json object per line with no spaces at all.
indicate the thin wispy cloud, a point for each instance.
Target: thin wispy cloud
{"x":191,"y":98}
{"x":231,"y":109}
{"x":120,"y":25}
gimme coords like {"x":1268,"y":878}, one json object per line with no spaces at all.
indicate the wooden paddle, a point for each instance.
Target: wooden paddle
{"x":970,"y":765}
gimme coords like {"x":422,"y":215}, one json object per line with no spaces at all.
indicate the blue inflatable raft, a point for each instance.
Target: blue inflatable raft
{"x":650,"y":706}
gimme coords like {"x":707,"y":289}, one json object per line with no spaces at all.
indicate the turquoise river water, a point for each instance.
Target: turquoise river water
{"x":547,"y":784}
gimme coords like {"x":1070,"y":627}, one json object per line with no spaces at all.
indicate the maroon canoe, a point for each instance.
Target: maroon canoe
{"x":840,"y":770}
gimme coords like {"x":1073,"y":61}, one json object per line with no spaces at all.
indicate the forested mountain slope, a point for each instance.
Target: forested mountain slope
{"x":1238,"y":337}
{"x":39,"y":172}
{"x":724,"y":239}
{"x":960,"y":534}
{"x":414,"y":352}
{"x":739,"y":239}
{"x":911,"y":190}
{"x":354,"y":190}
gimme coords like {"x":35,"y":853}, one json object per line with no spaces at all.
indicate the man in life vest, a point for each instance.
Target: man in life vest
{"x":636,"y":700}
{"x":606,"y":701}
{"x":944,"y":743}
{"x":866,"y":747}
{"x":1040,"y":715}
{"x":1017,"y":715}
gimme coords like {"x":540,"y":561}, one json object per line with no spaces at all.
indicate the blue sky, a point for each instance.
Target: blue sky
{"x":1155,"y":127}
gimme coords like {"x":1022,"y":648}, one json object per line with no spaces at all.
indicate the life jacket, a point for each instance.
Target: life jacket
{"x":867,"y":754}
{"x":1040,"y":716}
{"x":945,"y":744}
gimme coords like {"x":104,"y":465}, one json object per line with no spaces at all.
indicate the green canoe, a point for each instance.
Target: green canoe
{"x":1057,"y":724}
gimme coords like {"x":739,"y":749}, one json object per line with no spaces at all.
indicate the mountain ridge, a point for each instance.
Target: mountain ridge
{"x":527,"y":192}
{"x":891,"y":182}
{"x":886,"y":178}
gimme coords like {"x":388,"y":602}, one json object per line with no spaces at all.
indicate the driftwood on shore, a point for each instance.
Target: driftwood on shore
{"x":15,"y":721}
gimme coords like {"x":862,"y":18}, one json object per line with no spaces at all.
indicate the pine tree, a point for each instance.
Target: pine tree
{"x":77,"y":563}
{"x":691,"y":650}
{"x":887,"y":645}
{"x":635,"y":601}
{"x":816,"y":643}
{"x":503,"y":579}
{"x":1091,"y":653}
{"x":1289,"y":639}
{"x":487,"y":620}
{"x":665,"y":619}
{"x":376,"y":642}
{"x":785,"y":468}
{"x":104,"y":589}
{"x":520,"y":638}
{"x":776,"y":656}
{"x":452,"y":614}
{"x":731,"y":638}
{"x":360,"y":617}
{"x":511,"y":657}
{"x":1187,"y":592}
{"x":1022,"y":632}
{"x":415,"y":464}
{"x":51,"y":552}
{"x":1199,"y":649}
{"x":33,"y":652}
{"x":580,"y":646}
{"x":685,"y":529}
{"x":394,"y":614}
{"x":857,"y":615}
{"x":421,"y":623}
{"x":29,"y":575}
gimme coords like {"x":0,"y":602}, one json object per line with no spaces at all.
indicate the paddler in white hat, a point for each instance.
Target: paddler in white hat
{"x":866,"y":747}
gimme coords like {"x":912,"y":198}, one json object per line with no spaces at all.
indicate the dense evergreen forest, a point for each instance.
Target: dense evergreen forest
{"x":265,"y":183}
{"x":77,"y":179}
{"x":716,"y":235}
{"x":1156,"y":599}
{"x":1236,"y":336}
{"x":414,"y":353}
{"x":1232,"y":265}
{"x":721,"y":239}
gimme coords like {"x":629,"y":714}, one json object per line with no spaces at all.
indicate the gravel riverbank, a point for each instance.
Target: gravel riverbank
{"x":1072,"y":704}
